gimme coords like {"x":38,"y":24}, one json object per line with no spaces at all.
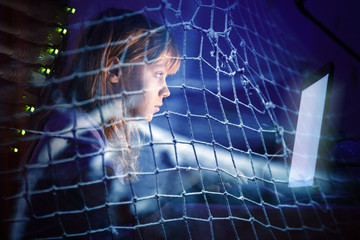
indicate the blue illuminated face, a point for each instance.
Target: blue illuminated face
{"x":153,"y":89}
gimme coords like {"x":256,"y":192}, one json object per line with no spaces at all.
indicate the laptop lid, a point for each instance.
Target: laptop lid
{"x":314,"y":103}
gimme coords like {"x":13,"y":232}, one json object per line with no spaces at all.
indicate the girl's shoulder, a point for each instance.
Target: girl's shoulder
{"x":68,"y":133}
{"x":72,"y":143}
{"x":63,"y":118}
{"x":76,"y":124}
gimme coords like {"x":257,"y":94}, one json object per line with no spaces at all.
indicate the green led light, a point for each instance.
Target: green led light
{"x":64,"y":31}
{"x":24,"y":97}
{"x":42,"y":70}
{"x":68,"y":9}
{"x":27,"y":108}
{"x":50,"y":50}
{"x":32,"y":109}
{"x":41,"y":57}
{"x":49,"y":37}
{"x":48,"y":71}
{"x":59,"y":30}
{"x":16,"y":149}
{"x":73,"y":10}
{"x":56,"y":51}
{"x":18,"y":130}
{"x":23,"y":132}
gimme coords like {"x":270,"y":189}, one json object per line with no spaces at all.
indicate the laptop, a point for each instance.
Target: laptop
{"x":314,"y":103}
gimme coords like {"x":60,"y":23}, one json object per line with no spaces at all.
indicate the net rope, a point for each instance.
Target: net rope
{"x":228,"y":124}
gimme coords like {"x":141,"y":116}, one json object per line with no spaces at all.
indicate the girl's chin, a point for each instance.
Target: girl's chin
{"x":148,"y":118}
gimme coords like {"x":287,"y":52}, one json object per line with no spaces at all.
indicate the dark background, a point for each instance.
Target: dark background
{"x":340,"y":17}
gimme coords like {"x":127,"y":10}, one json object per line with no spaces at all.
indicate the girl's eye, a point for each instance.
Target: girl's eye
{"x":159,"y":74}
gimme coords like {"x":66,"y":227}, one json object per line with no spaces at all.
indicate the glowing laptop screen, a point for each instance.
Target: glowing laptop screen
{"x":307,"y":135}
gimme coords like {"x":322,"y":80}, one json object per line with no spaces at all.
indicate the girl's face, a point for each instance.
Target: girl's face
{"x":152,"y":84}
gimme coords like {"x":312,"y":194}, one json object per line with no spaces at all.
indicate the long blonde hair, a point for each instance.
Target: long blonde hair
{"x":133,"y":39}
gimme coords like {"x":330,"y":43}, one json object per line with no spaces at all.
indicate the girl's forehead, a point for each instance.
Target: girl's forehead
{"x":161,"y":65}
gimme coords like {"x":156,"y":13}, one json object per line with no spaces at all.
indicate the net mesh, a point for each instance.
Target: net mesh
{"x":214,"y":162}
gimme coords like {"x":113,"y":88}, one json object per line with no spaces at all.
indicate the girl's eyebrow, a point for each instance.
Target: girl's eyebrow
{"x":159,"y":64}
{"x":158,"y":68}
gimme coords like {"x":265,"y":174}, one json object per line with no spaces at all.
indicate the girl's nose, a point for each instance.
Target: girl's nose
{"x":164,"y":92}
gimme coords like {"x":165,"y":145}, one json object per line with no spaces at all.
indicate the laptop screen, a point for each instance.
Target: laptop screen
{"x":308,"y":131}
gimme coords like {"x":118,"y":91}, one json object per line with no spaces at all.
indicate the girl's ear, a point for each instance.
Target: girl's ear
{"x":114,"y":73}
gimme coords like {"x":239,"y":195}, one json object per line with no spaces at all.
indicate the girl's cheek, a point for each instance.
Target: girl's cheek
{"x":134,"y":102}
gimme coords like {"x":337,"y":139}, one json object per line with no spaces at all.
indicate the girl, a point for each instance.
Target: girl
{"x":76,"y":181}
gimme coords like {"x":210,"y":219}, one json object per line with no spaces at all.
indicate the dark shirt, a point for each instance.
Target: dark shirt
{"x":71,"y":186}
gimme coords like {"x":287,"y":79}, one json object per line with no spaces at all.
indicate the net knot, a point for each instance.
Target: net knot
{"x":269,"y":104}
{"x":244,"y":82}
{"x":212,"y":34}
{"x":165,"y":4}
